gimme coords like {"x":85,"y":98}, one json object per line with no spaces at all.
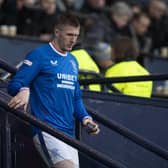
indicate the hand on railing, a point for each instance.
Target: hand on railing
{"x":20,"y":100}
{"x":92,"y":127}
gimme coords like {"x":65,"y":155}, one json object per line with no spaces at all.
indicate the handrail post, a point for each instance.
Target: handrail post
{"x":7,"y":141}
{"x":78,"y":128}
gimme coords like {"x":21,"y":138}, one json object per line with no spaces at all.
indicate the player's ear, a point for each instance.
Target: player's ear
{"x":56,"y":32}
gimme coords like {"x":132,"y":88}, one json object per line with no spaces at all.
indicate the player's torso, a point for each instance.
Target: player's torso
{"x":58,"y":72}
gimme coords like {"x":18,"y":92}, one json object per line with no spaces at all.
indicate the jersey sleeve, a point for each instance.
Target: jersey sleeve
{"x":26,"y":73}
{"x":80,"y":111}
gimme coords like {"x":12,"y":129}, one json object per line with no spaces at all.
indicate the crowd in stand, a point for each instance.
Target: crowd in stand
{"x":145,"y":22}
{"x":102,"y":20}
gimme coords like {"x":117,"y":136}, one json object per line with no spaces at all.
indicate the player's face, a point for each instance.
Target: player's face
{"x":67,"y":37}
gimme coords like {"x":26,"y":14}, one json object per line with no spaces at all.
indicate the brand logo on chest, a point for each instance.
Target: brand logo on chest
{"x":54,"y":62}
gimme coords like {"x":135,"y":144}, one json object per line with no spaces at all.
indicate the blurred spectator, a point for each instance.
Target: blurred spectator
{"x":116,"y":24}
{"x":70,"y":4}
{"x":48,"y":19}
{"x":130,"y":2}
{"x":157,"y":9}
{"x":28,"y":3}
{"x":92,"y":15}
{"x":73,"y":4}
{"x":93,"y":6}
{"x":120,"y":14}
{"x":2,"y":15}
{"x":27,"y":17}
{"x":9,"y":16}
{"x":94,"y":11}
{"x":8,"y":19}
{"x":124,"y":55}
{"x":102,"y":56}
{"x":1,"y":2}
{"x":64,"y":5}
{"x":139,"y":28}
{"x":158,"y":30}
{"x":136,"y":7}
{"x":87,"y":65}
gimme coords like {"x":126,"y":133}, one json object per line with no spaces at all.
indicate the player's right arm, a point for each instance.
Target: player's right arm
{"x":19,"y":85}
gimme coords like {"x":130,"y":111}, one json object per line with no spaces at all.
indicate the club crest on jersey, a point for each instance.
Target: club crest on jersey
{"x":54,"y":62}
{"x":27,"y":62}
{"x":74,"y":66}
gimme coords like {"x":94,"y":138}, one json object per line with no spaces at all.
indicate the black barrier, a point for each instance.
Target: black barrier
{"x":145,"y":117}
{"x":156,"y":64}
{"x":129,"y":134}
{"x":75,"y":143}
{"x":14,"y":49}
{"x":109,"y":123}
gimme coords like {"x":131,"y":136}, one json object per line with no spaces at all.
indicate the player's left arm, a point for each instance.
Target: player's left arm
{"x":82,"y":115}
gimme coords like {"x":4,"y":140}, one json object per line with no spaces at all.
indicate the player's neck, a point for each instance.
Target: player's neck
{"x":56,"y":46}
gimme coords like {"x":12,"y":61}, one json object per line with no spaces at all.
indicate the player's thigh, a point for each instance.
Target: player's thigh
{"x":65,"y":164}
{"x":60,"y":152}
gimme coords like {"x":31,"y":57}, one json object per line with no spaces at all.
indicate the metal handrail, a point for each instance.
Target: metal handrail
{"x":100,"y":80}
{"x":105,"y":160}
{"x":153,"y":77}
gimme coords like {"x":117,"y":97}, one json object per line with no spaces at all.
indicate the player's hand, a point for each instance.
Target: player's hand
{"x":20,"y":100}
{"x":93,"y":128}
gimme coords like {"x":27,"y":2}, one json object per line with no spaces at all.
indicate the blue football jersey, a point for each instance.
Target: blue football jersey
{"x":55,"y":95}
